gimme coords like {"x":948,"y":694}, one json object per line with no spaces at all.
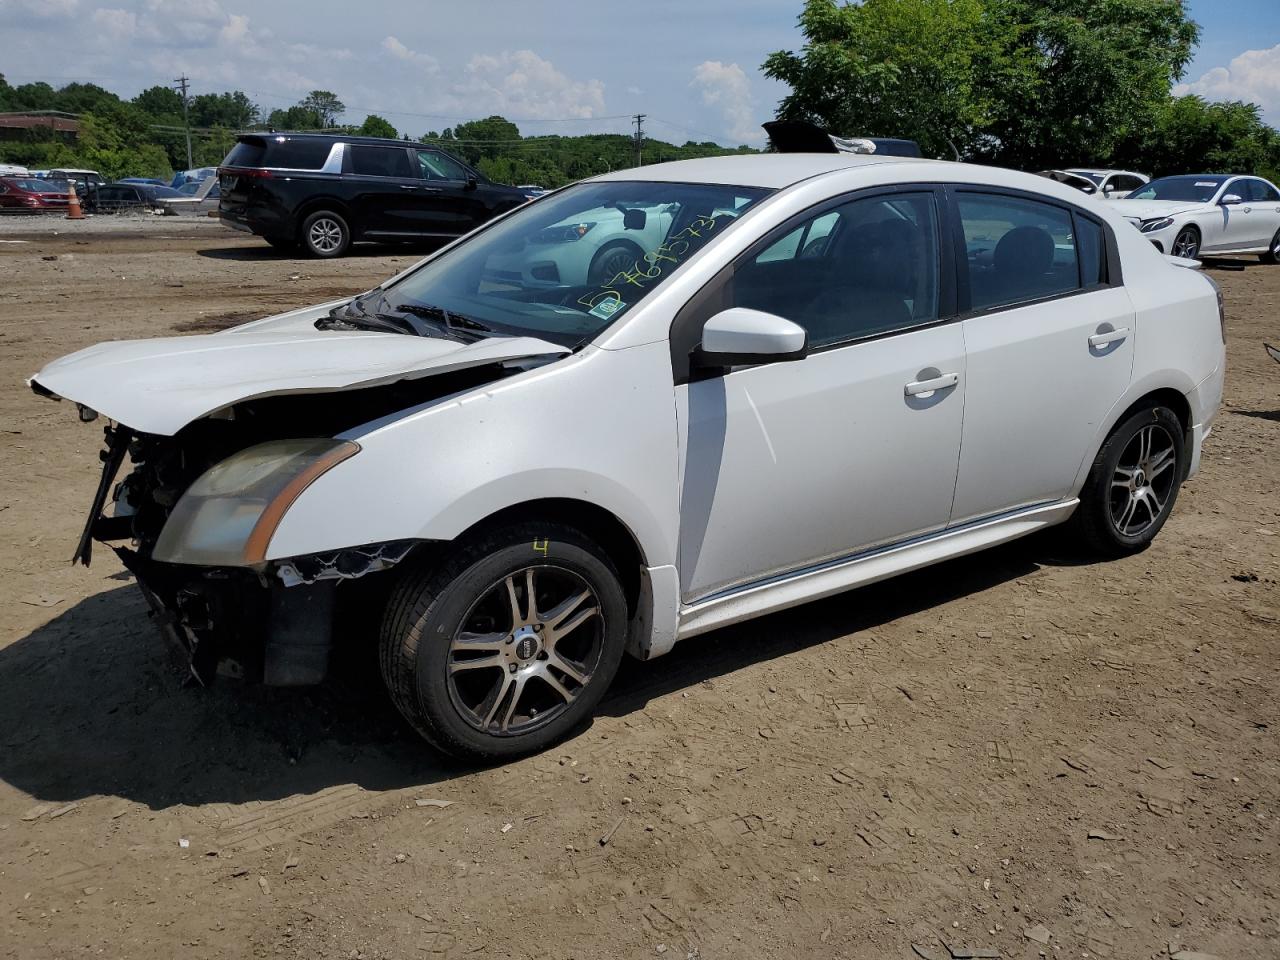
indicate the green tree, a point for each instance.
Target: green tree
{"x":234,"y":110}
{"x":928,"y":70}
{"x":160,"y":102}
{"x":295,"y":118}
{"x":1099,"y":72}
{"x":1188,"y":133}
{"x":324,"y":105}
{"x":376,"y":126}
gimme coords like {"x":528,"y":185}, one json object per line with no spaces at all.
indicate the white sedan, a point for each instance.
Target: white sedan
{"x":1208,"y":215}
{"x":827,"y":370}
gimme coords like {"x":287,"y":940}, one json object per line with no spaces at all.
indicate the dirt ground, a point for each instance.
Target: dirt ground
{"x":1020,"y":752}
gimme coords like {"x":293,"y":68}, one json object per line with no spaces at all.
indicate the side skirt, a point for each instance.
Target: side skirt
{"x":836,"y":576}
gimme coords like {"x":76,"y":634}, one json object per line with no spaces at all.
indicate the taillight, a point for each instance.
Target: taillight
{"x":251,"y":173}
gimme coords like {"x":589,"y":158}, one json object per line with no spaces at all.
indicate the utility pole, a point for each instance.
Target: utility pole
{"x":186,"y":116}
{"x":639,"y":119}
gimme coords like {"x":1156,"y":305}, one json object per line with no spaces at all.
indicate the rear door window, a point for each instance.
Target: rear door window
{"x":1017,"y":250}
{"x":300,"y":154}
{"x":367,"y":161}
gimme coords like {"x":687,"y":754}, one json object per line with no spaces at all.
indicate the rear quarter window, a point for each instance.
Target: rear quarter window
{"x":291,"y":154}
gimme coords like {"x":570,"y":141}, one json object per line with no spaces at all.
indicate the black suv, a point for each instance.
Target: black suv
{"x":325,"y":191}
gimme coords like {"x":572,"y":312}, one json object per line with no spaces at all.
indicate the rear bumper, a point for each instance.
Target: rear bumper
{"x":1205,"y":400}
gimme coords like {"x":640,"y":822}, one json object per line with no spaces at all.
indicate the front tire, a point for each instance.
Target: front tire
{"x":506,"y":646}
{"x":1133,"y":484}
{"x":615,"y":257}
{"x":325,"y":235}
{"x":1272,"y":255}
{"x":1186,"y":244}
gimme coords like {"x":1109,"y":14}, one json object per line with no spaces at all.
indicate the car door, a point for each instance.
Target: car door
{"x":1233,"y":227}
{"x":454,"y":200}
{"x":383,"y":190}
{"x":1263,"y":205}
{"x":1049,"y":335}
{"x":790,"y":464}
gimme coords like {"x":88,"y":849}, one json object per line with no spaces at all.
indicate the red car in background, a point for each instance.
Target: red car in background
{"x":35,"y":195}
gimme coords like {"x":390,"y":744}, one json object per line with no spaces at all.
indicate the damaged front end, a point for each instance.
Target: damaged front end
{"x":191,"y":516}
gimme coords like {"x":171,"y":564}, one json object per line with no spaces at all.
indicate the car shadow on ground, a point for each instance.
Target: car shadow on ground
{"x":260,"y":251}
{"x":93,"y":703}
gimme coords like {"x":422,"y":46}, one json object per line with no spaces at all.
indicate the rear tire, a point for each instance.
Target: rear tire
{"x":325,"y":235}
{"x":484,"y":675}
{"x":1272,"y":255}
{"x":1133,"y":484}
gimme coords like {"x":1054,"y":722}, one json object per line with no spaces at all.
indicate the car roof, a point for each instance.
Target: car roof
{"x":334,"y":138}
{"x":770,"y":170}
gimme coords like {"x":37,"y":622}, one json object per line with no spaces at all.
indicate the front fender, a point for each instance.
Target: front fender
{"x":597,"y":427}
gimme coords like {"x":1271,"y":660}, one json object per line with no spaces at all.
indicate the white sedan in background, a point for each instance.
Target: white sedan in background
{"x":820,"y":371}
{"x":1099,"y":184}
{"x":1208,"y":215}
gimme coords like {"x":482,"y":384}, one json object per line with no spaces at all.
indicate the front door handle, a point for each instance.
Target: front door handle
{"x":1111,"y":336}
{"x":917,"y":387}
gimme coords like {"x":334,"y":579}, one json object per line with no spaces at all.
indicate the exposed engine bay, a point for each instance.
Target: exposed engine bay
{"x":272,"y":622}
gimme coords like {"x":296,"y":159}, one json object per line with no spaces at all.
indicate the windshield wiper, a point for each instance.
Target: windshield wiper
{"x":454,"y":322}
{"x":371,"y":311}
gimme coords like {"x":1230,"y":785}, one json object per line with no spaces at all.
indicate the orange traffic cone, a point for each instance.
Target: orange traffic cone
{"x":73,"y":205}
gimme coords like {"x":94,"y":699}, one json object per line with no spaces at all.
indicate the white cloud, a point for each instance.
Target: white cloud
{"x":398,"y":50}
{"x":521,"y":84}
{"x":116,"y":24}
{"x":1253,"y":77}
{"x":725,"y":86}
{"x":235,"y":30}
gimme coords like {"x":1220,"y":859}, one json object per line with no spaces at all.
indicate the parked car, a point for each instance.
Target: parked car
{"x":119,"y":197}
{"x":324,"y":192}
{"x":801,"y":387}
{"x":1208,"y":213}
{"x":590,"y":248}
{"x":800,"y":136}
{"x":197,"y":175}
{"x":84,"y":179}
{"x":1111,"y":184}
{"x":152,"y":181}
{"x":31,"y":194}
{"x":196,"y":199}
{"x":13,"y":170}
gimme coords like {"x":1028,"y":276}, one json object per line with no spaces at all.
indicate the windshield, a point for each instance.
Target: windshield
{"x":1190,"y":189}
{"x":41,"y":186}
{"x":567,"y":266}
{"x":1091,"y":175}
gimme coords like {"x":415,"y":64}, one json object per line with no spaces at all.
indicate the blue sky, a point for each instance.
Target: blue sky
{"x":553,"y":66}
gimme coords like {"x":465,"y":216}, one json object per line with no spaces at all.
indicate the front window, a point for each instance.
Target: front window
{"x":566,"y":267}
{"x":433,"y":165}
{"x":1182,"y":189}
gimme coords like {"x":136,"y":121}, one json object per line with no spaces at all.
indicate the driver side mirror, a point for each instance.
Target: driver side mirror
{"x":472,"y":183}
{"x":743,"y":336}
{"x":1231,"y":200}
{"x":633,"y":219}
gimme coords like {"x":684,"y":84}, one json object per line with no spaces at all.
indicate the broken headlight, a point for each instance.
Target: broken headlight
{"x":227,"y":517}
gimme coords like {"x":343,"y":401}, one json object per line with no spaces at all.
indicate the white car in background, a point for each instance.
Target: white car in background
{"x":820,"y":370}
{"x":588,"y":248}
{"x":1111,"y":184}
{"x":1208,"y":215}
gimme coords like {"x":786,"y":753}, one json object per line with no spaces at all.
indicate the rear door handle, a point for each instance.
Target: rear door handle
{"x":917,"y":387}
{"x":1111,"y":336}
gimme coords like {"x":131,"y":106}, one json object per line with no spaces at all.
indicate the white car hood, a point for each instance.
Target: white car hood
{"x":159,"y":386}
{"x":1150,"y":209}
